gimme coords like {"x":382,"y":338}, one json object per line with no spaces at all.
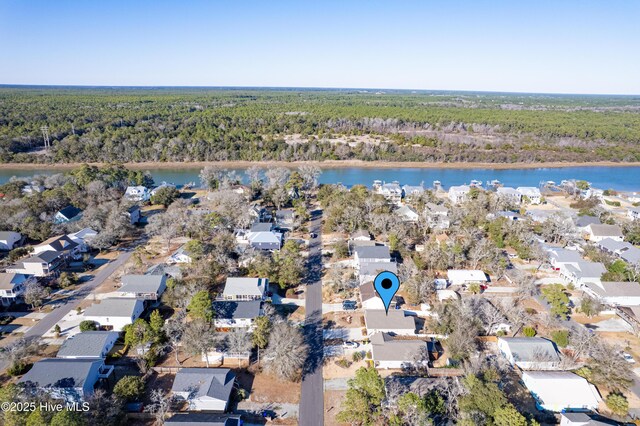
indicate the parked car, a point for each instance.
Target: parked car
{"x":313,"y":235}
{"x":349,"y":305}
{"x":350,"y":345}
{"x":627,"y":357}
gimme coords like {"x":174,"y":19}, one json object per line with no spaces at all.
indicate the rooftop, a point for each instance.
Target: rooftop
{"x":395,"y":320}
{"x":606,"y":230}
{"x":385,"y":347}
{"x":246,"y":309}
{"x":245,"y":286}
{"x":88,"y":344}
{"x":531,"y":349}
{"x":374,"y":268}
{"x":142,"y":283}
{"x":115,"y":307}
{"x":9,"y":280}
{"x":61,"y":372}
{"x":615,"y":289}
{"x":373,"y":252}
{"x":205,"y":382}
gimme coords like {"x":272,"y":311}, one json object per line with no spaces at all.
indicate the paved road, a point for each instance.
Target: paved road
{"x":312,"y":398}
{"x":72,"y":302}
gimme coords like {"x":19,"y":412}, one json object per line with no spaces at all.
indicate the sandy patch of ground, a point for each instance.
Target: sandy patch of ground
{"x":265,"y":388}
{"x":332,"y":402}
{"x":343,"y":319}
{"x":332,"y":371}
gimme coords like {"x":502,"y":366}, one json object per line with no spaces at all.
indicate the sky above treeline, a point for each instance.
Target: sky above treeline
{"x":570,"y":46}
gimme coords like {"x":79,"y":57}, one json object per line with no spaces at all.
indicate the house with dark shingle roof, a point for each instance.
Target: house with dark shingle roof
{"x":88,"y":344}
{"x":395,"y":321}
{"x":202,"y":419}
{"x":68,"y":214}
{"x":234,"y":314}
{"x":9,"y":239}
{"x":40,"y":265}
{"x":68,"y":379}
{"x":388,"y":351}
{"x":205,"y":389}
{"x":60,"y":243}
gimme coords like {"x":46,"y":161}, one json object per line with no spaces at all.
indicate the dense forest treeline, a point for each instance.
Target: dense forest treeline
{"x":205,"y":124}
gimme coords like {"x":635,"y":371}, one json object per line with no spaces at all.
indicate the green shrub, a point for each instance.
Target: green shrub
{"x":358,"y":356}
{"x":617,"y":403}
{"x":129,"y":388}
{"x":344,"y":363}
{"x":501,"y":333}
{"x":529,"y":331}
{"x":17,"y":369}
{"x":88,"y":325}
{"x":560,"y":337}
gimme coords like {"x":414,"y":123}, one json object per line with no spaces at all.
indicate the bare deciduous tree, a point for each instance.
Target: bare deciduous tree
{"x":286,"y":353}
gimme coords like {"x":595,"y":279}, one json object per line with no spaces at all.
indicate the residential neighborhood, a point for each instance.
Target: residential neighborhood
{"x":233,"y":302}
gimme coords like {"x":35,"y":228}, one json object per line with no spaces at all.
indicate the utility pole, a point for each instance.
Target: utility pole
{"x":45,"y":136}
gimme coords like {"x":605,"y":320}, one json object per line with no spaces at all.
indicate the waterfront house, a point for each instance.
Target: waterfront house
{"x":391,"y":191}
{"x":531,"y":193}
{"x":137,"y":193}
{"x":459,"y":194}
{"x":509,"y":194}
{"x":409,"y":190}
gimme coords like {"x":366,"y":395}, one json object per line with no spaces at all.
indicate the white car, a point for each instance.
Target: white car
{"x":350,"y":345}
{"x":627,"y":357}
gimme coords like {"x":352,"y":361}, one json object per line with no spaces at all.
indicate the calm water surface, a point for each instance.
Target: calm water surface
{"x":619,"y":178}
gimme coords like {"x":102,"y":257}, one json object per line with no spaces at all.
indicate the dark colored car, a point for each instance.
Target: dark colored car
{"x":349,"y":305}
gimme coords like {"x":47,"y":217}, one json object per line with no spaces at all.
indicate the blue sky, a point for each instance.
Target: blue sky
{"x":580,"y":46}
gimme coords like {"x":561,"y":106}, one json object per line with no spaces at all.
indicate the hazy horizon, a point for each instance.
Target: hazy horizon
{"x":571,"y":47}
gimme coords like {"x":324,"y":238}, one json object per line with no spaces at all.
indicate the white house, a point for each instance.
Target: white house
{"x":561,"y":390}
{"x":437,"y":216}
{"x":459,"y":194}
{"x":391,"y":191}
{"x":181,"y":255}
{"x":614,"y":293}
{"x":408,"y":214}
{"x":62,"y":244}
{"x":389,"y":352}
{"x":510,"y":195}
{"x":529,"y":353}
{"x":146,"y":287}
{"x":371,"y":254}
{"x":236,"y":314}
{"x":137,"y":193}
{"x":584,"y":419}
{"x":261,"y":236}
{"x":205,"y":389}
{"x":82,"y":237}
{"x":12,"y":286}
{"x":370,"y":300}
{"x":245,"y":288}
{"x":531,"y":192}
{"x":411,"y":190}
{"x":633,"y":213}
{"x":597,"y":233}
{"x":114,"y":314}
{"x":395,"y":322}
{"x":9,"y":239}
{"x":40,"y":265}
{"x":69,"y":379}
{"x":466,"y":277}
{"x":360,"y":235}
{"x":622,"y":249}
{"x":88,"y":344}
{"x":583,"y":272}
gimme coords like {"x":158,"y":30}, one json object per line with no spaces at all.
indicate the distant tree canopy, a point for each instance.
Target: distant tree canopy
{"x":104,"y":125}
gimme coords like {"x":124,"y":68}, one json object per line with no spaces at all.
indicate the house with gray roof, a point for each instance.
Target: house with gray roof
{"x":236,"y":314}
{"x":68,"y":379}
{"x":8,"y":240}
{"x":261,"y":236}
{"x":622,"y":249}
{"x":369,"y":270}
{"x":437,"y":216}
{"x":115,"y":313}
{"x":203,"y":419}
{"x":407,"y":214}
{"x":396,"y":322}
{"x":412,"y":190}
{"x":371,"y":254}
{"x":88,"y":344}
{"x":146,"y":287}
{"x":245,"y":288}
{"x":388,"y":351}
{"x":286,"y":218}
{"x":614,"y":293}
{"x":391,"y":191}
{"x":39,"y":265}
{"x":583,"y":222}
{"x":582,"y":272}
{"x":12,"y":286}
{"x":60,"y":243}
{"x":204,"y":388}
{"x":530,"y":353}
{"x":598,"y":232}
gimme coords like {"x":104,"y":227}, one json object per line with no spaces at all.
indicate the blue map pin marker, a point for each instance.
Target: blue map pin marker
{"x":386,"y":285}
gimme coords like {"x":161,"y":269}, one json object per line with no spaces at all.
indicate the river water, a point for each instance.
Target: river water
{"x":618,"y":178}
